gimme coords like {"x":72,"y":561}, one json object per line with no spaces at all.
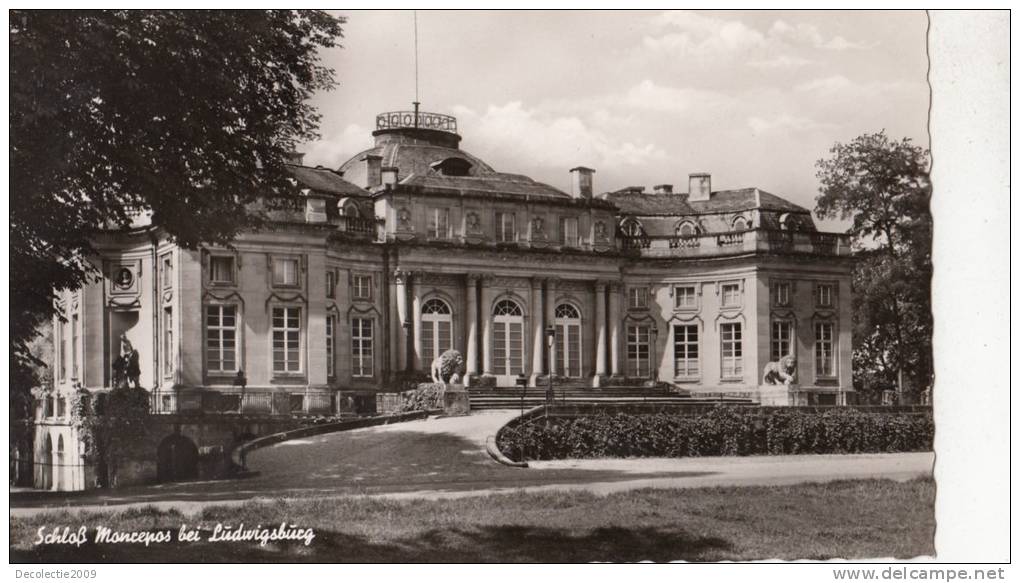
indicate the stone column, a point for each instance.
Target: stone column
{"x":600,"y":332}
{"x":537,"y":331}
{"x":485,"y":310}
{"x":400,"y":282}
{"x":550,"y":320}
{"x":471,"y":315}
{"x":416,"y":321}
{"x":614,"y":328}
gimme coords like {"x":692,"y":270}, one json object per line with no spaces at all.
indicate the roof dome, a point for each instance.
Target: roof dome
{"x":416,"y":143}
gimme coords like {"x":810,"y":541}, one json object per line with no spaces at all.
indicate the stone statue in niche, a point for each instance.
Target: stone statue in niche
{"x":404,"y":219}
{"x":600,"y":230}
{"x":538,"y":228}
{"x":473,"y":224}
{"x":126,"y":370}
{"x":780,"y":372}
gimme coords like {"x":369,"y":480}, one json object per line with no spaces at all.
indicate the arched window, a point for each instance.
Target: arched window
{"x":631,"y":228}
{"x":567,"y":311}
{"x":507,"y":341}
{"x":435,"y":306}
{"x":687,"y":229}
{"x":741,"y":224}
{"x":507,"y":308}
{"x":784,"y":221}
{"x":436,"y":330}
{"x":568,"y":340}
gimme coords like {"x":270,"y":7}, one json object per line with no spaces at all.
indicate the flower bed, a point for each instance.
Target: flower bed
{"x":724,"y":430}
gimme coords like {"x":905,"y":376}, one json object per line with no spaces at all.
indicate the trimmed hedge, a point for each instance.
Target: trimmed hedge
{"x":730,"y":431}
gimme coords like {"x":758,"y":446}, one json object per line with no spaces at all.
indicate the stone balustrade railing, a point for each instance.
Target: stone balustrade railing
{"x":737,"y":242}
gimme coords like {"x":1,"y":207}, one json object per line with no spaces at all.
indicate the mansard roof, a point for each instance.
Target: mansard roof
{"x":324,"y":180}
{"x":721,"y":201}
{"x":493,"y":183}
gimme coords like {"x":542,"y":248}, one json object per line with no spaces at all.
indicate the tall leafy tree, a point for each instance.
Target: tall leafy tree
{"x":883,"y":187}
{"x":187,"y":115}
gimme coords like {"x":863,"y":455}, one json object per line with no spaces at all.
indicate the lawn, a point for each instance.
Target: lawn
{"x":849,"y":519}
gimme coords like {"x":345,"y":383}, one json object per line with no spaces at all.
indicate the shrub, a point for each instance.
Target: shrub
{"x":427,"y":397}
{"x":719,"y":431}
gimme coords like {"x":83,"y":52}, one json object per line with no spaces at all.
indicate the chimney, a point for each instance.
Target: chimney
{"x":390,"y":176}
{"x":700,"y":187}
{"x":581,"y":182}
{"x":295,"y":157}
{"x":373,"y":171}
{"x":663,"y":189}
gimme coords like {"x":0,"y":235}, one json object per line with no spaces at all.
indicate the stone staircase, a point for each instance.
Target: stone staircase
{"x":578,"y":393}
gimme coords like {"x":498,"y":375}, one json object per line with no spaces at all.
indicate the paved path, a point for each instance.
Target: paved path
{"x":446,"y":457}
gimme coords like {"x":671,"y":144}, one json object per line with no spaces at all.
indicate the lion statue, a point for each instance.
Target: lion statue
{"x":448,"y":367}
{"x":781,"y":372}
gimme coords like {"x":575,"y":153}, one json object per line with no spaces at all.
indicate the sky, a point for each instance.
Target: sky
{"x":645,"y":97}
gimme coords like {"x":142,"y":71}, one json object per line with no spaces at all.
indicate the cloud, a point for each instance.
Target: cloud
{"x":335,"y":149}
{"x":648,"y":95}
{"x":781,"y":62}
{"x":808,"y":34}
{"x":695,"y":34}
{"x":520,"y":136}
{"x":830,"y":84}
{"x":786,"y":122}
{"x":684,"y":33}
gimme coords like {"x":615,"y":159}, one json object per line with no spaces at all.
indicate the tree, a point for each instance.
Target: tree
{"x":883,"y":186}
{"x":110,"y":425}
{"x":187,"y":115}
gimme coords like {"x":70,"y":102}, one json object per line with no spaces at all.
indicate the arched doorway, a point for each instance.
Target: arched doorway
{"x":436,"y":330}
{"x":177,"y":459}
{"x":568,"y":340}
{"x":507,"y":341}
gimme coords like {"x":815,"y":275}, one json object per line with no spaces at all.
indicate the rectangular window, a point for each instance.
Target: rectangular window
{"x":637,"y":297}
{"x":221,"y":269}
{"x":221,"y":339}
{"x":781,"y":294}
{"x":568,"y":232}
{"x":825,"y":295}
{"x":331,"y":284}
{"x":166,"y":268}
{"x":685,"y":297}
{"x":285,"y":271}
{"x":825,"y":362}
{"x":286,"y":340}
{"x":74,"y":346}
{"x":782,"y":339}
{"x":638,"y":351}
{"x":362,"y":287}
{"x":168,"y":342}
{"x":361,"y":347}
{"x":506,"y":227}
{"x":439,"y":223}
{"x":330,"y":346}
{"x":685,"y":351}
{"x":730,"y":295}
{"x":732,"y":351}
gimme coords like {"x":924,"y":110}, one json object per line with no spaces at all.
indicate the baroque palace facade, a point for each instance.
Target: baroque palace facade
{"x":415,"y":246}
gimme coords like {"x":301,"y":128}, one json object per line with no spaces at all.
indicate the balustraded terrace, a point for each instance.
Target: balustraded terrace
{"x":739,"y":242}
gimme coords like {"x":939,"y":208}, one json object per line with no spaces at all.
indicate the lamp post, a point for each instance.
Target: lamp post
{"x":241,"y":381}
{"x":550,"y":339}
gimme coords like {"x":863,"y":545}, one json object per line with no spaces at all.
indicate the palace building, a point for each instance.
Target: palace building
{"x":415,"y":246}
